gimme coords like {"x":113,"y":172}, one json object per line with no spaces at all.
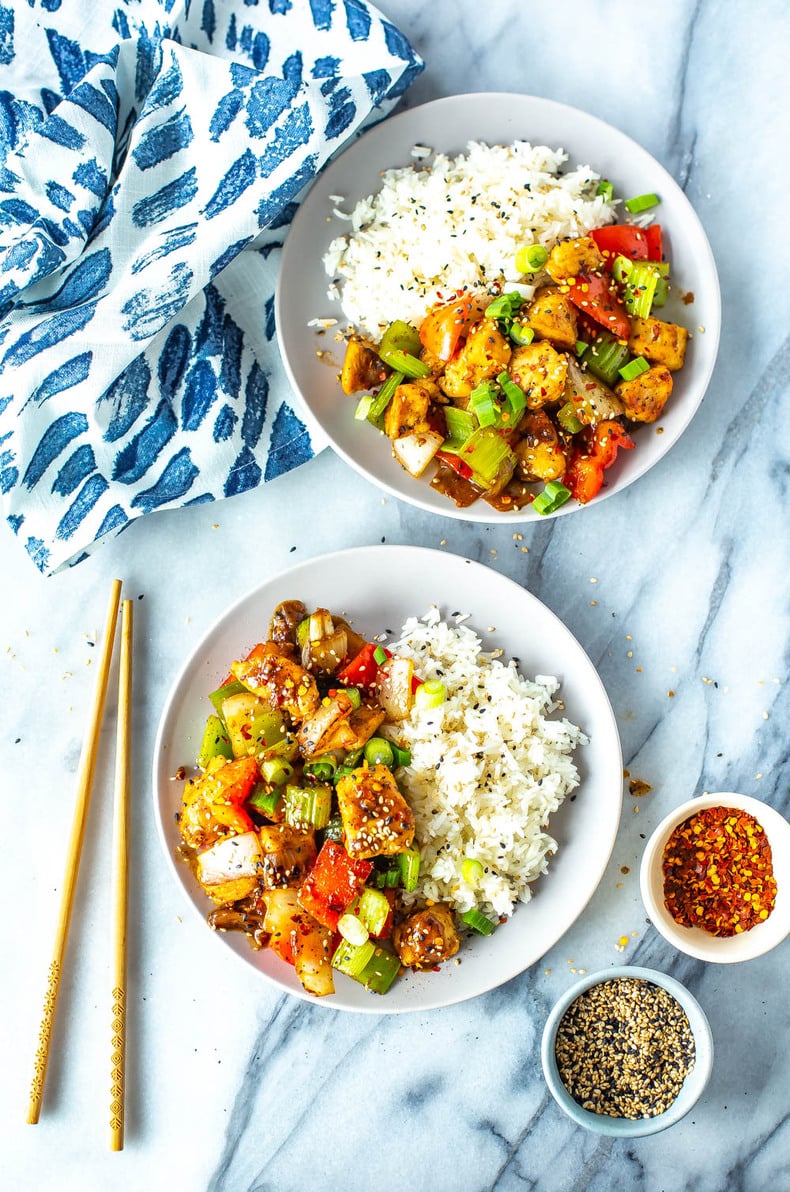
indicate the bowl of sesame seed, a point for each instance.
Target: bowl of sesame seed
{"x":711,"y":877}
{"x":627,"y":1051}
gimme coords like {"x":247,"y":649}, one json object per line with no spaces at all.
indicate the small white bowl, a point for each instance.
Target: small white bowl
{"x":693,"y":1085}
{"x":693,"y":940}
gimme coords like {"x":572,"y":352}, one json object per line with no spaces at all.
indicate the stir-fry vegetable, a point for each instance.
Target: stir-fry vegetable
{"x":504,"y":392}
{"x":295,"y":825}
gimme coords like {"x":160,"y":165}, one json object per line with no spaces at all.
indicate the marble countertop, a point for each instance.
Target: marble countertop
{"x":233,"y":1086}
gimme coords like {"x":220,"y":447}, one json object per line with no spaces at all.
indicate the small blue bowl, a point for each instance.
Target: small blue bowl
{"x":693,"y":1085}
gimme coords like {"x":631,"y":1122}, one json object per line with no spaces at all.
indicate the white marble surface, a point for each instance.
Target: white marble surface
{"x":233,"y":1087}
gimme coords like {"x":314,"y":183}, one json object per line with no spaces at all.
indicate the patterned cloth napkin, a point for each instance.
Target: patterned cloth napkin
{"x":151,"y":157}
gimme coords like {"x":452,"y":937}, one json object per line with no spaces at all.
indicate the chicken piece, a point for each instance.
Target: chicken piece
{"x":552,"y":316}
{"x":645,"y":397}
{"x":377,"y":820}
{"x":541,"y":372}
{"x":278,"y":680}
{"x":484,"y":355}
{"x":362,"y":368}
{"x":426,"y":937}
{"x":286,"y":619}
{"x":572,"y":257}
{"x":539,"y":453}
{"x":408,"y":410}
{"x":287,"y":855}
{"x":353,"y":733}
{"x":663,"y":343}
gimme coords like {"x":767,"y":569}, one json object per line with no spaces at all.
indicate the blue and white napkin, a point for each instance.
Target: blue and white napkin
{"x":151,"y":157}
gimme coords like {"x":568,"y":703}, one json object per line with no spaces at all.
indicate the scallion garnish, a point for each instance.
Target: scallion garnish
{"x":363,"y":407}
{"x":400,"y":757}
{"x":322,"y":769}
{"x":380,"y":655}
{"x":353,"y":929}
{"x":520,"y":334}
{"x":409,"y":864}
{"x":505,"y":306}
{"x":641,"y":203}
{"x":605,"y":190}
{"x":378,"y":752}
{"x":430,"y":694}
{"x":634,"y":368}
{"x":478,"y":921}
{"x":568,"y":418}
{"x":277,"y":771}
{"x":265,"y":801}
{"x":354,"y":695}
{"x":553,"y":495}
{"x":471,"y":870}
{"x":530,"y":258}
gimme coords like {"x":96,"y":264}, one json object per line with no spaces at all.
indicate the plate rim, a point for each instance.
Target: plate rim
{"x":487,"y":515}
{"x":226,"y":616}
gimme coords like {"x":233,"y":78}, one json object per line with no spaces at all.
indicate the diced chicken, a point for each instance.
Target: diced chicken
{"x":646,"y":395}
{"x":426,"y":937}
{"x":592,"y":400}
{"x":484,"y":355}
{"x":362,"y":368}
{"x":286,"y":619}
{"x":539,"y":452}
{"x":541,"y":371}
{"x":231,"y":858}
{"x":278,"y":680}
{"x":663,"y":343}
{"x":572,"y":257}
{"x":287,"y":855}
{"x":312,"y":949}
{"x":377,"y":820}
{"x":552,"y":316}
{"x":408,"y":409}
{"x":415,"y":451}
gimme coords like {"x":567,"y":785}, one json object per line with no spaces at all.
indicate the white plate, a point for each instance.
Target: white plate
{"x":447,"y":125}
{"x":378,"y":588}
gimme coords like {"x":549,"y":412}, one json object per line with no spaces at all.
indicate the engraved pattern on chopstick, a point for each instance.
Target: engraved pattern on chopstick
{"x":117,"y":1058}
{"x":45,"y":1033}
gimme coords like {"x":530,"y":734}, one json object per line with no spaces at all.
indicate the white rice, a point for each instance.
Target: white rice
{"x":455,"y":224}
{"x":488,"y":768}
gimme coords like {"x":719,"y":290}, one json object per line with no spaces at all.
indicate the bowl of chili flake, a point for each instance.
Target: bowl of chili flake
{"x":713,"y":877}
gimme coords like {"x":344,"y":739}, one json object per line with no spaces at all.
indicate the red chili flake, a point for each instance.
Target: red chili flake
{"x":718,"y":872}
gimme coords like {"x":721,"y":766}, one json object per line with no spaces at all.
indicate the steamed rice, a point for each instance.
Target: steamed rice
{"x":488,"y":768}
{"x":455,"y":224}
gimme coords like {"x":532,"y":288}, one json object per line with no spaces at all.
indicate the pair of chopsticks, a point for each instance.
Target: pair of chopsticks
{"x":87,"y":767}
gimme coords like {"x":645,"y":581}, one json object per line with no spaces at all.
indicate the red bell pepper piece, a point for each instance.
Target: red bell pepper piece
{"x":625,"y":240}
{"x":443,"y":327}
{"x":655,"y":247}
{"x":332,"y":884}
{"x":455,"y":462}
{"x":595,"y":296}
{"x":362,"y":670}
{"x":584,"y":476}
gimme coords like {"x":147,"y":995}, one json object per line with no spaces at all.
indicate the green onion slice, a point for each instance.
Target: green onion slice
{"x":373,"y":909}
{"x":277,"y":770}
{"x":553,"y":495}
{"x":380,"y":655}
{"x":378,"y":752}
{"x":471,"y":870}
{"x":641,"y":203}
{"x":409,"y":865}
{"x":353,"y":929}
{"x":530,"y":258}
{"x":505,"y":306}
{"x":521,"y":334}
{"x":400,"y":757}
{"x":478,"y":921}
{"x":605,"y":190}
{"x":634,"y":368}
{"x":363,"y":407}
{"x":265,"y":801}
{"x":322,"y":768}
{"x":430,"y":694}
{"x":568,"y":419}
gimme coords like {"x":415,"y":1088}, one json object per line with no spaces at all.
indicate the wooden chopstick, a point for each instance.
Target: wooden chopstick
{"x":86,"y":771}
{"x":120,"y":867}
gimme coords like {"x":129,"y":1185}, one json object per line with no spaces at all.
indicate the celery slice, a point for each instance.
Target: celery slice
{"x":373,"y":910}
{"x":380,"y":971}
{"x":490,"y":458}
{"x":351,"y":959}
{"x":308,"y":807}
{"x":604,"y":357}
